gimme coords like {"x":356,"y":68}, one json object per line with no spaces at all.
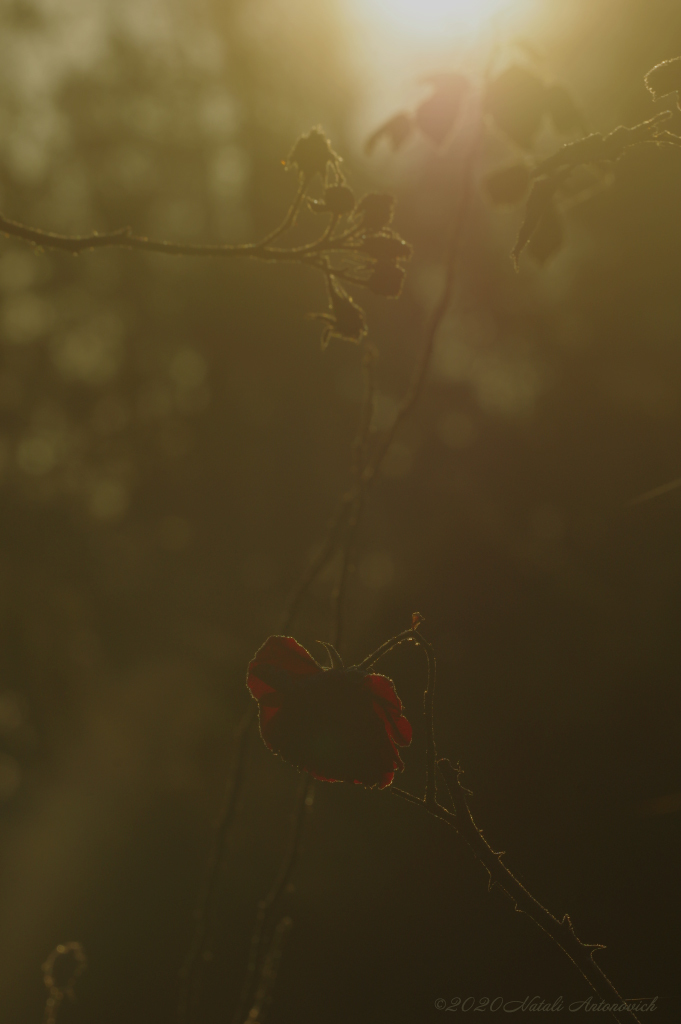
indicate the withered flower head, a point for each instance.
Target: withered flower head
{"x":312,"y":154}
{"x":338,"y":724}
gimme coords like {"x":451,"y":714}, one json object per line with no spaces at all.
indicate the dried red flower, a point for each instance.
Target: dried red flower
{"x":338,"y":724}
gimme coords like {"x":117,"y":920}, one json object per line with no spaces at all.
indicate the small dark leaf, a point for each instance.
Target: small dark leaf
{"x":437,"y":115}
{"x":517,"y":100}
{"x":387,"y":280}
{"x":376,"y":210}
{"x":563,"y":110}
{"x":508,"y":185}
{"x":539,"y":204}
{"x":548,"y":236}
{"x":396,"y":131}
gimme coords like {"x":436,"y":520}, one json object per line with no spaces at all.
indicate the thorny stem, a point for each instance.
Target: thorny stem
{"x":461,"y":820}
{"x":561,"y":931}
{"x":191,"y":970}
{"x":268,"y":904}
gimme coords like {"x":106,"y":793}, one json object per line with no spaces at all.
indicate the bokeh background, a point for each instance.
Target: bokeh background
{"x":173,"y":443}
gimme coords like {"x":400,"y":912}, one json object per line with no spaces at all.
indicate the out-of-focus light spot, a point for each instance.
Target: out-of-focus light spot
{"x":91,"y":354}
{"x":456,"y":429}
{"x":10,"y":776}
{"x":228,"y":172}
{"x":434,"y":17}
{"x":11,"y":712}
{"x":37,"y":455}
{"x":376,"y":570}
{"x":188,"y":368}
{"x":218,"y":114}
{"x":109,"y":499}
{"x":175,"y":533}
{"x":398,"y":462}
{"x":25,"y":316}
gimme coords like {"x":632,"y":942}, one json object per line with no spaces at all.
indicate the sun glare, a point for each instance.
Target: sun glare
{"x":434,"y":17}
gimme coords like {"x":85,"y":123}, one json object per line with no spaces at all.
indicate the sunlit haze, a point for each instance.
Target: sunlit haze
{"x":432,"y":17}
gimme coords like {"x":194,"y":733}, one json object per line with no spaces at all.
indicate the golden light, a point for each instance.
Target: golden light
{"x":435,"y":17}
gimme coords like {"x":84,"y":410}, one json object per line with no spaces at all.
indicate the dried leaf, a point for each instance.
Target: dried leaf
{"x":396,"y":131}
{"x":438,"y":114}
{"x":539,"y":204}
{"x":665,"y":78}
{"x":548,"y":236}
{"x":517,"y":101}
{"x":508,"y":185}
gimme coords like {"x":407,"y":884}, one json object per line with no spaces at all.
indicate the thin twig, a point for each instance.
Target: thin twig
{"x":268,"y":904}
{"x":195,"y":960}
{"x":359,"y":446}
{"x":269,"y":972}
{"x":428,"y":705}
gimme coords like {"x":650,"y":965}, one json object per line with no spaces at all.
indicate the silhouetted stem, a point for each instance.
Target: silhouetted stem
{"x":191,"y":970}
{"x":268,"y":904}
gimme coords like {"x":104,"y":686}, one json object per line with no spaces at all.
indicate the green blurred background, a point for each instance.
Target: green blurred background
{"x":173,"y":442}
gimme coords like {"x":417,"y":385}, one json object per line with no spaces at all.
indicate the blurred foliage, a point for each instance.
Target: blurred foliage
{"x":172,"y":444}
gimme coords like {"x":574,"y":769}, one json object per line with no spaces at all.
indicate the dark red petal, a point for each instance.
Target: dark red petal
{"x":404,"y":731}
{"x":285,"y":653}
{"x":256,"y":686}
{"x":397,"y":726}
{"x":383,"y":687}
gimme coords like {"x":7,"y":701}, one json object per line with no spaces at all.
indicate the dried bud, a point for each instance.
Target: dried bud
{"x":665,"y":78}
{"x":339,"y":199}
{"x":376,"y":210}
{"x":312,"y":154}
{"x":387,"y":280}
{"x":385,"y":247}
